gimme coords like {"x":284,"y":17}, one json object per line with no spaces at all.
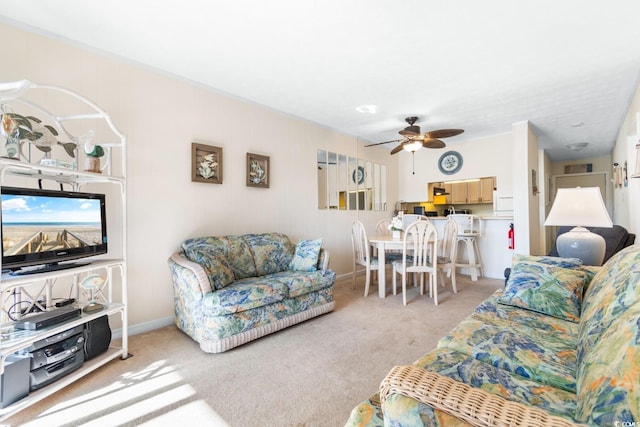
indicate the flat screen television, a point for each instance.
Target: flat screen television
{"x":46,"y":227}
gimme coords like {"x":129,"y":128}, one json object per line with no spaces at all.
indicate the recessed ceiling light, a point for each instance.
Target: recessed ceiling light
{"x":370,"y":109}
{"x":577,"y":146}
{"x":577,"y":124}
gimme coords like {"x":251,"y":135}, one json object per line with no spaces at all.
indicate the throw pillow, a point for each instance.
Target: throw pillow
{"x":571,"y":263}
{"x":546,"y":289}
{"x":214,"y":264}
{"x":306,"y":255}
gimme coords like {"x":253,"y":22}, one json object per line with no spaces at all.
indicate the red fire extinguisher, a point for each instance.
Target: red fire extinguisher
{"x":512,"y":238}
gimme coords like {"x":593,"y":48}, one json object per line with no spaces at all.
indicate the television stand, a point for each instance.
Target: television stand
{"x":48,"y":267}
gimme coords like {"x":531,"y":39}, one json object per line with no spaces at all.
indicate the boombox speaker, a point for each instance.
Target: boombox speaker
{"x":97,"y":334}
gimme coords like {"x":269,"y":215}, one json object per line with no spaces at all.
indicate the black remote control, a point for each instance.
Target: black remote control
{"x":64,"y":302}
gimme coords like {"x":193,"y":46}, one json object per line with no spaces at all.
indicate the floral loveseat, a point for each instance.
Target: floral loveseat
{"x":230,"y":290}
{"x":559,"y":345}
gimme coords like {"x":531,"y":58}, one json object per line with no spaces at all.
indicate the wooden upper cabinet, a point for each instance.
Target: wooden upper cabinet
{"x":458,"y":192}
{"x":473,"y":192}
{"x":487,"y":185}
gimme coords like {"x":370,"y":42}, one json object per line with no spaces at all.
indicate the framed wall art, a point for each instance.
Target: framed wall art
{"x":206,"y":163}
{"x":257,"y":170}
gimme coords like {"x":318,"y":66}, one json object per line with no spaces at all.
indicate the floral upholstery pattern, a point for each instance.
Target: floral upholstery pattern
{"x":226,"y":287}
{"x":306,"y":255}
{"x":609,"y":344}
{"x":214,"y":263}
{"x":546,"y":289}
{"x":587,"y":372}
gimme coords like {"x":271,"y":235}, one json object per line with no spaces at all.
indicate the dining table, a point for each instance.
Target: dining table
{"x":384,"y":243}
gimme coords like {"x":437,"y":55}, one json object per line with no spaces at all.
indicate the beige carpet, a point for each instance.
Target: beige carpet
{"x":311,"y":374}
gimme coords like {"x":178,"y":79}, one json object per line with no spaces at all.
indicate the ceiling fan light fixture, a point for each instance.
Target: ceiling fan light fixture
{"x":412,"y":146}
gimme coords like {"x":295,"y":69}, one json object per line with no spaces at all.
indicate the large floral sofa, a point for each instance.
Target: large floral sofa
{"x":559,"y":345}
{"x":229,"y":290}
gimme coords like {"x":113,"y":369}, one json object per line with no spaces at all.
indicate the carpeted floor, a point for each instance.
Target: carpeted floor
{"x":311,"y":374}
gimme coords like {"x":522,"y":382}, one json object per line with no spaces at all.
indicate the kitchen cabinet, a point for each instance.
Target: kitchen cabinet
{"x":458,"y":192}
{"x":481,"y":190}
{"x":462,"y":192}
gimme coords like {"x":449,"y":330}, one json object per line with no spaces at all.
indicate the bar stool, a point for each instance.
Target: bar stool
{"x":469,"y":229}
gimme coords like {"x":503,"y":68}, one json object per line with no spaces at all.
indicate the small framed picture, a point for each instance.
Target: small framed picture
{"x":257,"y":170}
{"x":206,"y":163}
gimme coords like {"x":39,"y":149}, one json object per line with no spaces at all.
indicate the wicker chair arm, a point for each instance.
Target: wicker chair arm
{"x":473,"y":405}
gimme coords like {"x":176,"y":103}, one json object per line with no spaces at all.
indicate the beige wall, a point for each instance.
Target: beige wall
{"x":626,"y":200}
{"x":161,"y":116}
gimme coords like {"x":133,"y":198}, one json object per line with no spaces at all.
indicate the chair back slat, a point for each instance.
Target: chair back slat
{"x":421,"y":236}
{"x":360,"y":243}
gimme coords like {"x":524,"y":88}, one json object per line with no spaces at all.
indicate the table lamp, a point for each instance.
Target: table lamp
{"x":580,"y":207}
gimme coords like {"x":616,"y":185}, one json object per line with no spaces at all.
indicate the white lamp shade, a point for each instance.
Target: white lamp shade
{"x":579,"y":207}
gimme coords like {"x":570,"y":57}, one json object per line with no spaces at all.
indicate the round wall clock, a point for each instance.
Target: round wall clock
{"x":450,"y":162}
{"x":358,"y":175}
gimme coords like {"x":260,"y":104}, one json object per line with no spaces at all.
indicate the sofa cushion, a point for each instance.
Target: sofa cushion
{"x":545,"y":288}
{"x":304,"y":282}
{"x":609,"y":344}
{"x":234,"y":248}
{"x":214,"y":264}
{"x":244,"y":295}
{"x":272,"y":252}
{"x":572,"y":263}
{"x":306,"y":255}
{"x":534,"y":346}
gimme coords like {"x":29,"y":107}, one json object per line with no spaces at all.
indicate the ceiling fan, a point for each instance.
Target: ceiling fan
{"x":413,"y":140}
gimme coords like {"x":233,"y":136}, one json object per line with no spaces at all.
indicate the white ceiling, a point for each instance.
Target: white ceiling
{"x":476,"y":65}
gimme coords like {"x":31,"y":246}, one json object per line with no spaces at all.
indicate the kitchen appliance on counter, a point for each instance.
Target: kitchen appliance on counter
{"x":431,"y":213}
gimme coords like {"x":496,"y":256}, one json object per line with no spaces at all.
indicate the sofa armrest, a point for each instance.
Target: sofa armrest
{"x":194,"y":277}
{"x":473,"y":405}
{"x":323,"y":259}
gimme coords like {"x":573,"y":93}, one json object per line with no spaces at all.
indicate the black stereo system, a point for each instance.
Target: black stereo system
{"x":51,"y":358}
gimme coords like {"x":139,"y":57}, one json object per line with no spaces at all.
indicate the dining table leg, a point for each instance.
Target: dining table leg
{"x":382,"y":286}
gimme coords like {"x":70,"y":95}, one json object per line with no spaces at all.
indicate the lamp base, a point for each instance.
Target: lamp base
{"x":583,"y":244}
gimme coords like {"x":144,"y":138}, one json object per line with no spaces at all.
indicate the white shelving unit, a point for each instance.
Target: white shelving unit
{"x":31,"y":288}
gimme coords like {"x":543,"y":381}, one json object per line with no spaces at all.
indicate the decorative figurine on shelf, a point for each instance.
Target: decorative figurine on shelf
{"x":93,"y":153}
{"x":13,"y":129}
{"x":18,"y":129}
{"x":93,"y":283}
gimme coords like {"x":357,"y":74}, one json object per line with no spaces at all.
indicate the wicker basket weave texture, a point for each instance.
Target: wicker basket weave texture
{"x":473,"y":405}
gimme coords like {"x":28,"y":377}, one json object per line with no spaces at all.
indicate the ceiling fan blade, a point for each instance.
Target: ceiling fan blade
{"x":433,"y":143}
{"x":380,"y":143}
{"x":444,"y":133}
{"x":398,"y":148}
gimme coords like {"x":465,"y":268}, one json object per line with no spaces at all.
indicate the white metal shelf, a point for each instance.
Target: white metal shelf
{"x":23,"y":96}
{"x":88,"y":367}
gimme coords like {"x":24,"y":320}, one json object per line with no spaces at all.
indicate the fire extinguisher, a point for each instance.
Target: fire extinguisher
{"x":512,"y":238}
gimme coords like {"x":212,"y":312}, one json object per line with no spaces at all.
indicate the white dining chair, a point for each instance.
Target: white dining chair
{"x":362,"y":255}
{"x":447,"y":252}
{"x":408,"y":219}
{"x":382,"y":227}
{"x":469,"y":230}
{"x":419,"y":256}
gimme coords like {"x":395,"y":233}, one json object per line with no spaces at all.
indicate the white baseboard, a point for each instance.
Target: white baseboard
{"x":145,"y":327}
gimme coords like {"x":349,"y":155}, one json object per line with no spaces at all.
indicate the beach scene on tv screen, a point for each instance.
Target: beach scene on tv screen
{"x":41,"y":223}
